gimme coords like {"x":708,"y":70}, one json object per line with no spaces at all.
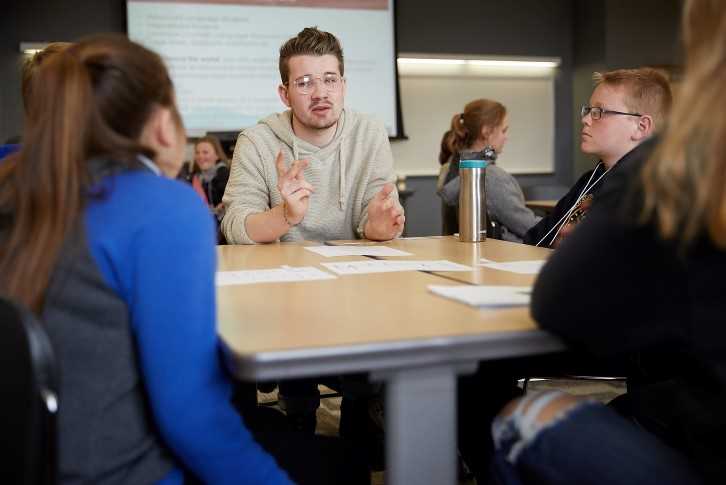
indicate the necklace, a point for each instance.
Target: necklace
{"x":565,"y":218}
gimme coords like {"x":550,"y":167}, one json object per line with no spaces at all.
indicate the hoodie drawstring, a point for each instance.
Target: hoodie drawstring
{"x":342,"y":174}
{"x":295,"y":150}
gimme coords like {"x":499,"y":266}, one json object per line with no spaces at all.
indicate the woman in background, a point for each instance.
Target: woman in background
{"x":482,"y":128}
{"x":659,"y":263}
{"x":210,"y":172}
{"x":93,"y":235}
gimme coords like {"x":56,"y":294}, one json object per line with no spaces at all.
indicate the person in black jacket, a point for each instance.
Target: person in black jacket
{"x":646,"y":277}
{"x":626,"y":107}
{"x":209,"y":172}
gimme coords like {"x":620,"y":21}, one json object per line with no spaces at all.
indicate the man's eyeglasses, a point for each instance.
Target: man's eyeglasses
{"x":305,"y":84}
{"x":596,"y":113}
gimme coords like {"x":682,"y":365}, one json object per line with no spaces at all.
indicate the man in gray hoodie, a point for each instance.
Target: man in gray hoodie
{"x":316,"y":171}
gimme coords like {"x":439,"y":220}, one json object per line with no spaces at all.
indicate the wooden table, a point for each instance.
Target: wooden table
{"x":449,"y":248}
{"x":388,"y":324}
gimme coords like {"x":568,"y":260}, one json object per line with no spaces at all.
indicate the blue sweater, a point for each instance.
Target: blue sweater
{"x":6,"y":150}
{"x":153,"y":242}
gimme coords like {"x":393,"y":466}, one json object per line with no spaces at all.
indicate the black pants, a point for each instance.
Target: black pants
{"x":307,"y":459}
{"x":480,"y":398}
{"x":319,"y":460}
{"x":301,"y":396}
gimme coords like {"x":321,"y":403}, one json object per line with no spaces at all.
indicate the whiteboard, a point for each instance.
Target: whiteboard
{"x":428,"y":103}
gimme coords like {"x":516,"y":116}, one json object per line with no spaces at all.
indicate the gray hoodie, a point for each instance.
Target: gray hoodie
{"x":346,"y":174}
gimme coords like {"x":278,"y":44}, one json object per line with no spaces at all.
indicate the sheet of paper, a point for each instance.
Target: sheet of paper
{"x":275,"y":275}
{"x":485,"y":296}
{"x":522,"y":267}
{"x":351,"y":250}
{"x":376,"y":266}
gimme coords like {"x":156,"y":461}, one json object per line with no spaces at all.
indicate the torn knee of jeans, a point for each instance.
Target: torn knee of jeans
{"x":509,"y":408}
{"x":514,"y":431}
{"x":559,"y":406}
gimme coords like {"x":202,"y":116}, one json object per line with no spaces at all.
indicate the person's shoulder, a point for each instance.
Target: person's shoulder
{"x":255,"y":131}
{"x":363,"y":122}
{"x":497,"y":171}
{"x":575,"y":191}
{"x":633,"y":161}
{"x":625,"y":173}
{"x":222,"y":170}
{"x":147,"y":196}
{"x":8,"y":149}
{"x":582,"y":179}
{"x":140,"y":207}
{"x":265,"y":137}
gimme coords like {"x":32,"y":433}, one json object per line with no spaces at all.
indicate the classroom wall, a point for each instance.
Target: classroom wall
{"x":516,"y":28}
{"x":621,"y":32}
{"x":43,"y":21}
{"x":423,"y":26}
{"x":614,"y":34}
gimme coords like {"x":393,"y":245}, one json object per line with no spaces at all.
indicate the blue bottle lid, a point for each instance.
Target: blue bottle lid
{"x":472,"y":163}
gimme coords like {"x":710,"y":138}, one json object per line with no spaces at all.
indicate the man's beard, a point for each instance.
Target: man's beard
{"x":321,"y":124}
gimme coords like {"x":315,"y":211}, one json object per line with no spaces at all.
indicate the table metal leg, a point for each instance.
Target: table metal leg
{"x":421,"y":425}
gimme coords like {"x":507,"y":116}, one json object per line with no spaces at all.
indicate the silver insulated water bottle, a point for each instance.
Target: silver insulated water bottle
{"x":472,"y":201}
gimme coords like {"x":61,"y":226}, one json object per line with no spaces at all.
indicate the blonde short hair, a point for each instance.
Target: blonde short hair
{"x":647,"y":91}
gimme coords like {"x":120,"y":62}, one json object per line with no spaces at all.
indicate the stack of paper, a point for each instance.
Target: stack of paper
{"x":522,"y":267}
{"x":352,"y":250}
{"x":485,"y":296}
{"x":276,"y":275}
{"x":376,"y":266}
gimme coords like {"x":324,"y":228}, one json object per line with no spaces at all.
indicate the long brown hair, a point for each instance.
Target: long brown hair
{"x":32,"y":64}
{"x":91,"y":100}
{"x":218,"y":150}
{"x":467,"y":126}
{"x":685,"y":180}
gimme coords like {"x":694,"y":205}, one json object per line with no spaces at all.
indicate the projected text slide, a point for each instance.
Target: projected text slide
{"x":223,"y":55}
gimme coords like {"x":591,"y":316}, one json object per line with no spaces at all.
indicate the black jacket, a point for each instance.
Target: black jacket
{"x":214,"y":189}
{"x":549,"y":224}
{"x":615,"y":287}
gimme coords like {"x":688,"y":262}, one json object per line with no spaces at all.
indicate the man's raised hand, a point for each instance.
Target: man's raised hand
{"x":293,"y":188}
{"x":385,"y":216}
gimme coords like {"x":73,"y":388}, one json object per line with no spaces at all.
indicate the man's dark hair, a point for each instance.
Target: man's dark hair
{"x":311,"y":42}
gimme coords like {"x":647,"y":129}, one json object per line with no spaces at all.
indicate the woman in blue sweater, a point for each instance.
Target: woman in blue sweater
{"x":119,"y":261}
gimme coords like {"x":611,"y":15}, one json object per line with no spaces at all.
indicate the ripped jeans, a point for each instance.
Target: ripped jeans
{"x":586,"y":444}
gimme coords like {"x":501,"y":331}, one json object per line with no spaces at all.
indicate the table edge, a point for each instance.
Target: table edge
{"x":381,"y":356}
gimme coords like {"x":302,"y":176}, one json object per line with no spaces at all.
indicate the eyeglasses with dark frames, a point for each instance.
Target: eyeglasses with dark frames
{"x":597,"y":112}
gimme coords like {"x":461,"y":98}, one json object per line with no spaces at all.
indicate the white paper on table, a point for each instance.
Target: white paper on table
{"x":377,"y":266}
{"x":352,"y":250}
{"x":522,"y":267}
{"x":485,"y":296}
{"x":275,"y":275}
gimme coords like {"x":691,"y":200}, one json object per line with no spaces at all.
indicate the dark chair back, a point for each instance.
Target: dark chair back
{"x":450,"y":222}
{"x":544,"y":192}
{"x":28,"y":400}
